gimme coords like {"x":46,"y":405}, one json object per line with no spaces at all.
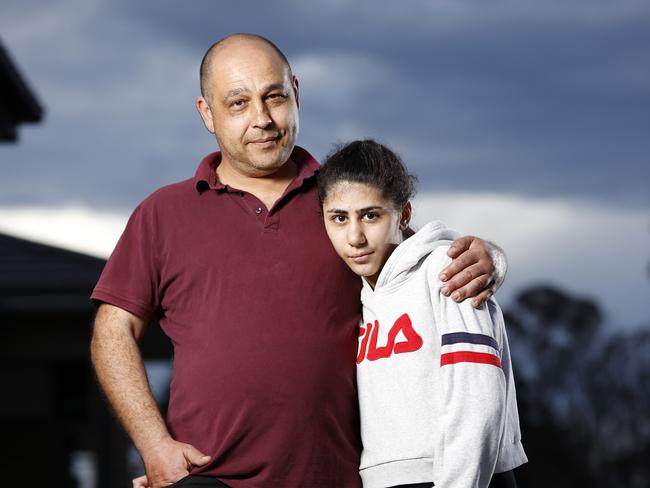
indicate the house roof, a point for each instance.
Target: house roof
{"x":38,"y":276}
{"x":52,"y":286}
{"x":18,"y":104}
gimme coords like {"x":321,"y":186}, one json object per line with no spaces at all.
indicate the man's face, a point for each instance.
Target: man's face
{"x":253,"y":108}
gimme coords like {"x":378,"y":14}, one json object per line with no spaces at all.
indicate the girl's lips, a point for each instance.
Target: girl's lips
{"x":361,"y":258}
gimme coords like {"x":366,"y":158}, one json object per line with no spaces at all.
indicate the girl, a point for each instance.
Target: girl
{"x":436,"y":391}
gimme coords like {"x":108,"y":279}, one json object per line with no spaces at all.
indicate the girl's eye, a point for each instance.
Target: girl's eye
{"x":370,"y":216}
{"x":339,"y":219}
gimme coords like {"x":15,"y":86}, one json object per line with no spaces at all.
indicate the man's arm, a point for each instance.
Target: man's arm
{"x":478,"y":270}
{"x":121,"y":374}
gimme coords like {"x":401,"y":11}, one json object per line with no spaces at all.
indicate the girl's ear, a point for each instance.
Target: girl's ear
{"x":405,"y":217}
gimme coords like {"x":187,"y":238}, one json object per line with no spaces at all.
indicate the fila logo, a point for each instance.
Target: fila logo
{"x":368,"y":348}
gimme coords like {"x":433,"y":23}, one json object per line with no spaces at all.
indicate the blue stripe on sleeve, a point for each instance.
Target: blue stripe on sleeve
{"x":456,"y":337}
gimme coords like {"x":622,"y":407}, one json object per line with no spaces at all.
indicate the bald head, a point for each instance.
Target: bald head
{"x":250,"y":103}
{"x":237,"y":41}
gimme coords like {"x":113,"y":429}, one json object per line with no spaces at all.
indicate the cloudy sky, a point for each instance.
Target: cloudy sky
{"x":527,"y":122}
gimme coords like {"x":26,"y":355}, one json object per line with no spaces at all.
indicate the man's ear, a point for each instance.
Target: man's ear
{"x":296,"y":91}
{"x":206,"y":113}
{"x":405,"y":217}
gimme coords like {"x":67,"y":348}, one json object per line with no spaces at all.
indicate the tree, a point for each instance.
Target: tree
{"x":583,"y":396}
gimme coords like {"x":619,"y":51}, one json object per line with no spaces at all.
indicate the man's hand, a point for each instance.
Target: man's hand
{"x":141,"y":482}
{"x":168,"y":463}
{"x":477,"y":270}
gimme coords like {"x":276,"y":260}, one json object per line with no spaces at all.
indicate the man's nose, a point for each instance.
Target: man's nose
{"x":262,"y":116}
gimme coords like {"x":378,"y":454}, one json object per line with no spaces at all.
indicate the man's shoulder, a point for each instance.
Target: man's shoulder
{"x":170,"y":194}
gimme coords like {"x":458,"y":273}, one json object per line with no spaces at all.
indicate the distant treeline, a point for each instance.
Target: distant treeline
{"x":583,"y":393}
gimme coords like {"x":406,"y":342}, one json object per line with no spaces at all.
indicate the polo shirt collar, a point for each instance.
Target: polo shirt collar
{"x":206,"y":175}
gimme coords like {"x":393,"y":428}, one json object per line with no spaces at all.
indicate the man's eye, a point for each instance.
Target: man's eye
{"x":276,"y":97}
{"x":237,"y":103}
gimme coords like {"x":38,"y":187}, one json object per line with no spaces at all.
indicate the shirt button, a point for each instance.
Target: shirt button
{"x":258,"y":210}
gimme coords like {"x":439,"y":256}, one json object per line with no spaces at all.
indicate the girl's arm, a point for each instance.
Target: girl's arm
{"x":472,"y":397}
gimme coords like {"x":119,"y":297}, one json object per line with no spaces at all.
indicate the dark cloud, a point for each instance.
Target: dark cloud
{"x":547,"y":100}
{"x":533,"y":98}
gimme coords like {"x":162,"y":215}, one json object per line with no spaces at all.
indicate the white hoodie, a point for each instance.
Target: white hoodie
{"x":436,"y":391}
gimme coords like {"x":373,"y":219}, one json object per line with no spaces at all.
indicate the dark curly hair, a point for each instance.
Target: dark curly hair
{"x":367,"y":161}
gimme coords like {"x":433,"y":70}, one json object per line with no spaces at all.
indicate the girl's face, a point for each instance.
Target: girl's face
{"x":364,"y":226}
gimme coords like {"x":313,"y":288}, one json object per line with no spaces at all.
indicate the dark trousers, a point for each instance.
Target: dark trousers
{"x":499,"y":480}
{"x":193,"y":481}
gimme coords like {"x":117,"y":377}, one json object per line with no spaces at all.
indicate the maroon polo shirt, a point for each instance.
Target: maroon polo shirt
{"x":263,"y":318}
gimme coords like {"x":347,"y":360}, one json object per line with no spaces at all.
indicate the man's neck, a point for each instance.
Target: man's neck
{"x":267,"y":187}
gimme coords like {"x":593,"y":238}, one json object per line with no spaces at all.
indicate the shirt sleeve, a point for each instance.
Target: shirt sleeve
{"x":130,"y":280}
{"x":473,"y":388}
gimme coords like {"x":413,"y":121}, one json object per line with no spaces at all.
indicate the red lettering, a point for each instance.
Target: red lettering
{"x":375,"y":352}
{"x":368,"y":347}
{"x":413,"y":341}
{"x":364,"y":342}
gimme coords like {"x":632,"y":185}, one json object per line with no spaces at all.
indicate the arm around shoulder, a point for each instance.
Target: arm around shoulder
{"x":478,"y":269}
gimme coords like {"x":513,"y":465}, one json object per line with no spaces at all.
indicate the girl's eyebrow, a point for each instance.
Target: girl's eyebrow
{"x":368,"y":209}
{"x":360,"y":211}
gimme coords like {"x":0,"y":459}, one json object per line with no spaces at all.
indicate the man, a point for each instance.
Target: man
{"x":236,"y":265}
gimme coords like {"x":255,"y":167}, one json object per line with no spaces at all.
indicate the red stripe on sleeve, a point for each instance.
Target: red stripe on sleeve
{"x":469,"y":357}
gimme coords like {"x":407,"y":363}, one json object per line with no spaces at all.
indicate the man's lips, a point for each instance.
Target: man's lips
{"x":266,"y":140}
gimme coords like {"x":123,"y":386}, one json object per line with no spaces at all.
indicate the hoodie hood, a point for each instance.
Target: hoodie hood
{"x":410,"y":253}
